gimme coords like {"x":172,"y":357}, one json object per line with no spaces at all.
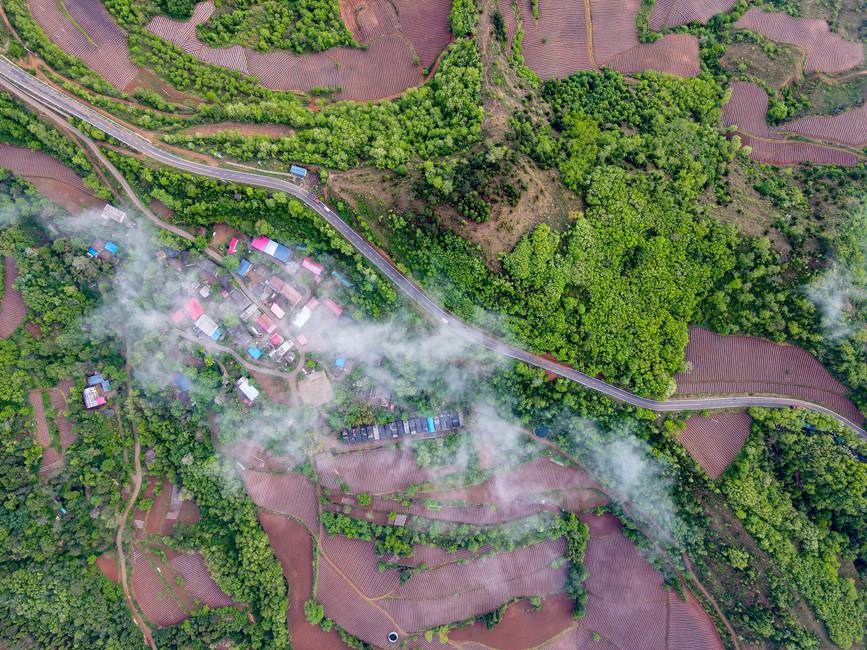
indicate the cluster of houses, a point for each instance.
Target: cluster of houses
{"x":417,"y":426}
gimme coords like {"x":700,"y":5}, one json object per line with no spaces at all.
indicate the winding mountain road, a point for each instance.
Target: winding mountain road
{"x":58,"y":102}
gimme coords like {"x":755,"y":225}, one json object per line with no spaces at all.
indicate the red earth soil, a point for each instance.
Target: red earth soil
{"x":358,"y":561}
{"x":628,"y":604}
{"x":521,"y":627}
{"x":288,"y":494}
{"x":826,"y":51}
{"x":386,"y":68}
{"x":381,"y":470}
{"x":276,"y":388}
{"x":198,"y":581}
{"x":59,"y":395}
{"x":93,"y":37}
{"x":848,"y":128}
{"x":155,"y":521}
{"x":796,"y":153}
{"x":675,"y":54}
{"x":715,"y":440}
{"x":159,"y":596}
{"x":48,"y":175}
{"x":107,"y":563}
{"x":746,"y":364}
{"x":43,"y":435}
{"x":12,"y":309}
{"x":556,"y":44}
{"x":154,"y":596}
{"x":671,"y":13}
{"x":294,"y":549}
{"x":747,"y":109}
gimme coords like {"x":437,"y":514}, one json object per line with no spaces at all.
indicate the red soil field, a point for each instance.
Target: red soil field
{"x":380,"y":470}
{"x":289,"y":494}
{"x":43,"y":437}
{"x":93,"y":37}
{"x":154,"y":596}
{"x":276,"y":388}
{"x":12,"y":309}
{"x":521,"y":627}
{"x":48,"y":175}
{"x":294,"y":549}
{"x":715,"y":440}
{"x":671,"y":13}
{"x":675,"y":54}
{"x":58,"y":396}
{"x":358,"y":616}
{"x":826,"y":51}
{"x":155,"y":521}
{"x":745,"y":364}
{"x":848,"y":128}
{"x":628,"y":605}
{"x":358,"y":562}
{"x":107,"y":563}
{"x":556,"y":44}
{"x":386,"y":68}
{"x":795,"y":153}
{"x":613,"y":27}
{"x":747,"y":108}
{"x":198,"y":581}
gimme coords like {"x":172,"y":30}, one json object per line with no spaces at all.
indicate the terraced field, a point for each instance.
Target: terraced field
{"x":747,"y":109}
{"x":826,"y":51}
{"x":83,"y":28}
{"x":716,"y":439}
{"x":745,"y":364}
{"x":672,"y":13}
{"x":401,"y":39}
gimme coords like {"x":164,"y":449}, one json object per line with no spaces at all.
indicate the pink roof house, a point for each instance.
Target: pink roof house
{"x":314,"y":267}
{"x":193,"y":308}
{"x":233,"y":246}
{"x":260,"y":243}
{"x":333,"y":306}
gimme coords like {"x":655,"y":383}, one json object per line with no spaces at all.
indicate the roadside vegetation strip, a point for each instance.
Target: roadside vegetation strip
{"x":715,"y":440}
{"x":745,"y":364}
{"x":826,"y":51}
{"x":92,"y":36}
{"x":673,"y":13}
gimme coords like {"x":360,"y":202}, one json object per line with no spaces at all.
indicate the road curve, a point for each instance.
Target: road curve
{"x":61,"y":103}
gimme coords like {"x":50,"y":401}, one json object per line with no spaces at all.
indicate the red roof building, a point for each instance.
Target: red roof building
{"x":314,"y":267}
{"x":333,"y":306}
{"x":233,"y":245}
{"x":193,"y":308}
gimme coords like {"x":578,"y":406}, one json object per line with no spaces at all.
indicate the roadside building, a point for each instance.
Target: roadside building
{"x":248,"y":391}
{"x":277,"y":310}
{"x":109,"y":212}
{"x":268,"y":246}
{"x":233,"y":246}
{"x":244,"y":267}
{"x":266,"y":324}
{"x":207,"y":326}
{"x":254,"y":352}
{"x":280,"y":351}
{"x":250,"y":313}
{"x":332,"y":306}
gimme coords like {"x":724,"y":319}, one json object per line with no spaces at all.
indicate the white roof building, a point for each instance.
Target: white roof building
{"x":111,"y":212}
{"x":302,"y":317}
{"x":247,"y":389}
{"x":207,"y":325}
{"x":280,"y":352}
{"x":277,"y":311}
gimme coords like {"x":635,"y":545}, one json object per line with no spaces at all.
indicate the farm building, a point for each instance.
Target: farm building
{"x":248,"y":391}
{"x":272,"y":248}
{"x":113,"y":213}
{"x":96,"y":392}
{"x":208,"y":327}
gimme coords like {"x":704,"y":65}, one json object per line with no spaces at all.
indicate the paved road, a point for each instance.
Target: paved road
{"x":59,"y":102}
